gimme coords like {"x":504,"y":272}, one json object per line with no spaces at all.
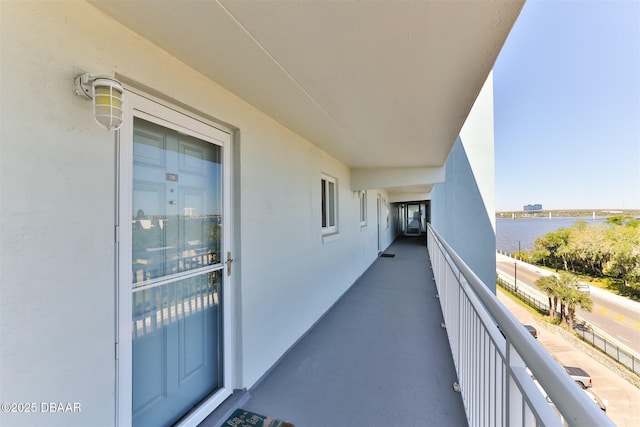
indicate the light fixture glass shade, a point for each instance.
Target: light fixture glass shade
{"x":107,"y":102}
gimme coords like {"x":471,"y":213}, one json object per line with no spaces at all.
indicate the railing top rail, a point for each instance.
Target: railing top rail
{"x":576,"y":408}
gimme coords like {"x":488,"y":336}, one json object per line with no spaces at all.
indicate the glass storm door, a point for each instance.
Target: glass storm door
{"x":176,"y":280}
{"x":414,"y":220}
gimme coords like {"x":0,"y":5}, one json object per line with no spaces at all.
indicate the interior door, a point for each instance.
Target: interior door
{"x":179,"y":216}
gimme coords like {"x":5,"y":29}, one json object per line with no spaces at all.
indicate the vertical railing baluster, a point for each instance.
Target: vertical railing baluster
{"x":486,"y":366}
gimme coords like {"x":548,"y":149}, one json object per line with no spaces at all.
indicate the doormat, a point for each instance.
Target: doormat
{"x":386,"y":255}
{"x":242,"y":418}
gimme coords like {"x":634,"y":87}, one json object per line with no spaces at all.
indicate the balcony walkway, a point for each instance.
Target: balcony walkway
{"x":377,"y":358}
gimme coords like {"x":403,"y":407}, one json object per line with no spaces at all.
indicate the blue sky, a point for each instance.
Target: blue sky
{"x":567,"y":107}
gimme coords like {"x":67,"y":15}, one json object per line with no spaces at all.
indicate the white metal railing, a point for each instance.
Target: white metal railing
{"x":492,"y":351}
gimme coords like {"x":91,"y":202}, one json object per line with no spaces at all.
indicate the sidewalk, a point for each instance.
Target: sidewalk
{"x":378,"y":357}
{"x":623,"y":406}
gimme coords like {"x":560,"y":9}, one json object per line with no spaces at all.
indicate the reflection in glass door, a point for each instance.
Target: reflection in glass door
{"x":177,"y":216}
{"x":402,"y":223}
{"x":414,"y":220}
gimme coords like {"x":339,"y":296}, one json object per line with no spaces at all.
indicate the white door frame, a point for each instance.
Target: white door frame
{"x":138,"y":105}
{"x":379,"y":221}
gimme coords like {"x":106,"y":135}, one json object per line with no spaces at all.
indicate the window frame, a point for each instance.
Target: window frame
{"x":329,"y":204}
{"x":362,"y":202}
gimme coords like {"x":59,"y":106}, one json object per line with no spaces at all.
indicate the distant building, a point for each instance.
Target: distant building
{"x":536,"y":207}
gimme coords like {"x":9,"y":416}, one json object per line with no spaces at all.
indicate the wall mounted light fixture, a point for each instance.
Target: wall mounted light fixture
{"x":106,"y":93}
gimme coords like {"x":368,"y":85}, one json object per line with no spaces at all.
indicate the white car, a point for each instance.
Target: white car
{"x":583,"y":287}
{"x":602,"y":404}
{"x":590,"y":394}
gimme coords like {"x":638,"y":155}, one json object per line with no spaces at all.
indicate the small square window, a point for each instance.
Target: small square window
{"x":329,"y":193}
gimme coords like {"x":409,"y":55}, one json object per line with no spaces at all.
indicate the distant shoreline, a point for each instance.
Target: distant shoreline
{"x":545,"y":213}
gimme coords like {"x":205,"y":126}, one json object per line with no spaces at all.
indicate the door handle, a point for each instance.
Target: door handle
{"x":228,"y":263}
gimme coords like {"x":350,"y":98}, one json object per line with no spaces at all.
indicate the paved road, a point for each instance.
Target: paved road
{"x":622,"y":397}
{"x":617,"y":316}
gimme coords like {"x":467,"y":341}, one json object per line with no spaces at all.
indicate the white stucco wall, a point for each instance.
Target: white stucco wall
{"x":463,"y":208}
{"x":289,"y":276}
{"x":478,"y":141}
{"x":58,"y":209}
{"x":57,"y":218}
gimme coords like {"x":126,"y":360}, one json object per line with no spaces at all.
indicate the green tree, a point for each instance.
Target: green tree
{"x":554,"y":243}
{"x":585,"y":248}
{"x":566,"y":282}
{"x":612,"y":250}
{"x":571,"y":297}
{"x":623,"y":220}
{"x":623,"y":262}
{"x":549,"y":285}
{"x":563,"y":289}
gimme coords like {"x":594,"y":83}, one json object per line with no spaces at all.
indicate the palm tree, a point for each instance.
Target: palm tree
{"x":549,"y":285}
{"x":571,"y":297}
{"x":563,"y":289}
{"x":574,"y":298}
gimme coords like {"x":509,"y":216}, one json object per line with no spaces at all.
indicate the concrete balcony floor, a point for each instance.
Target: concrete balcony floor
{"x":379,"y":356}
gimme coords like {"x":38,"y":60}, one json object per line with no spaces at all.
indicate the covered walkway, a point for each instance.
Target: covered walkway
{"x":379,"y":357}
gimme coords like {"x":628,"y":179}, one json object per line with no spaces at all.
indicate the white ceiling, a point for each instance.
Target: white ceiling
{"x":377,"y":84}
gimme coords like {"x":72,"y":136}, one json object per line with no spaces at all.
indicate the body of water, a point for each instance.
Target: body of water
{"x":523,"y":231}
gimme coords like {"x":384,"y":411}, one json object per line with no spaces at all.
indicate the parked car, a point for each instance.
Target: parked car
{"x":590,"y":394}
{"x":532,"y":330}
{"x":583,"y":287}
{"x":579,"y":375}
{"x":601,"y":404}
